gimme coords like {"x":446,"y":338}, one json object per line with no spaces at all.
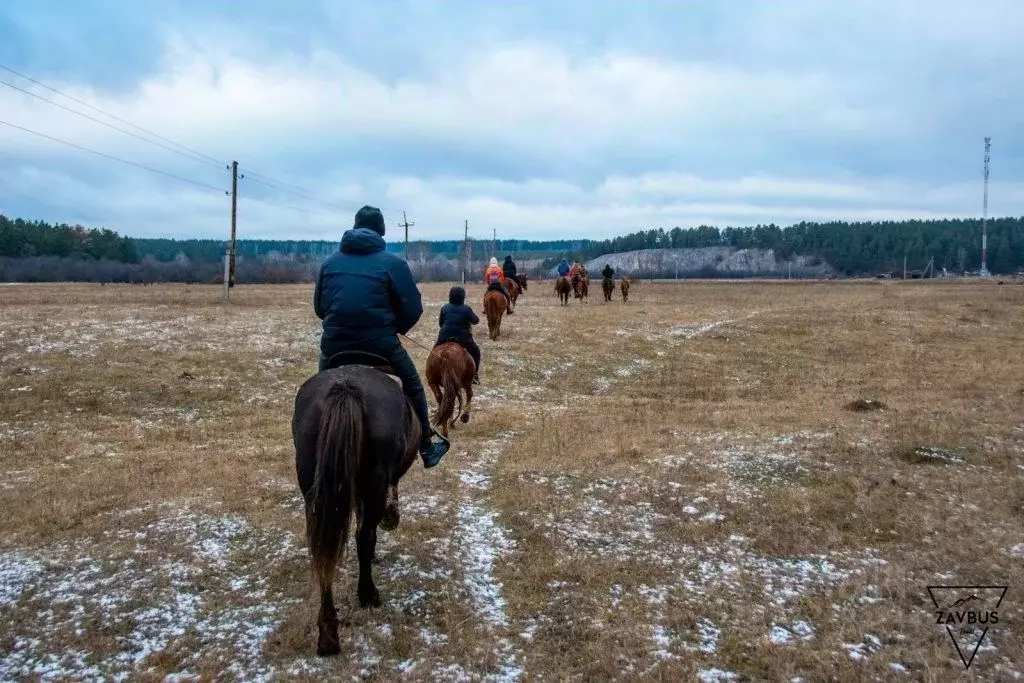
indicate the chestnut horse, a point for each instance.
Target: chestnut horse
{"x":355,"y":435}
{"x":624,"y":285}
{"x":584,"y":288}
{"x":521,"y":279}
{"x":608,"y":286}
{"x":513,"y":290}
{"x":450,"y":376}
{"x":562,"y":289}
{"x":494,"y":307}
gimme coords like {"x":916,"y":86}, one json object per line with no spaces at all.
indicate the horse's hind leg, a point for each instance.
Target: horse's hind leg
{"x":469,"y":402}
{"x":366,"y":545}
{"x":327,"y":643}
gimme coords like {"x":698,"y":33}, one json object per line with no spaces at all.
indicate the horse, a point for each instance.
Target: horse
{"x":562,"y":289}
{"x":521,"y":279}
{"x":355,"y":435}
{"x":494,"y":308}
{"x":513,"y":290}
{"x":450,"y":376}
{"x":624,"y":285}
{"x":608,"y":286}
{"x":584,"y":287}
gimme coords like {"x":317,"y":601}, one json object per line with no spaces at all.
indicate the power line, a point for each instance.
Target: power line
{"x":192,"y":154}
{"x":108,"y":114}
{"x":291,"y":189}
{"x":286,"y":206}
{"x":108,"y":125}
{"x":119,"y":159}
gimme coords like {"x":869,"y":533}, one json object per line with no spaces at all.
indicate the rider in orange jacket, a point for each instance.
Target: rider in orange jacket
{"x":493,"y":278}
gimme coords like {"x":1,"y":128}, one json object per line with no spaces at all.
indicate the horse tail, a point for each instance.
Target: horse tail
{"x":330,"y":502}
{"x":451,"y":393}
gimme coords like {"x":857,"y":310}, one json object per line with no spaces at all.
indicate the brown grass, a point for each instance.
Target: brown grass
{"x":644,"y":491}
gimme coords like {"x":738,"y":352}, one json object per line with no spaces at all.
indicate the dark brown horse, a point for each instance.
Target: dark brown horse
{"x":450,"y":376}
{"x":624,"y":285}
{"x":494,"y":308}
{"x":355,"y":435}
{"x":563,"y":288}
{"x":608,"y":286}
{"x":521,"y":279}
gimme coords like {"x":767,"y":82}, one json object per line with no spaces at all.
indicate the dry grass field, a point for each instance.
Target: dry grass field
{"x":676,"y":488}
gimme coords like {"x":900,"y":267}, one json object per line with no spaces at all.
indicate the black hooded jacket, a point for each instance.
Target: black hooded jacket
{"x":457,"y":319}
{"x":608,"y":271}
{"x":363,"y":293}
{"x":509,"y":267}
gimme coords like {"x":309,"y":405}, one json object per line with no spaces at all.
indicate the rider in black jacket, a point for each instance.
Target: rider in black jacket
{"x":456,"y":323}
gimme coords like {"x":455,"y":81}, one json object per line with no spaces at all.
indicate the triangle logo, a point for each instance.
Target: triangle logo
{"x":967,"y":613}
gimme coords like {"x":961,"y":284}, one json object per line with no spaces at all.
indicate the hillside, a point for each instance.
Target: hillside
{"x":709,"y":262}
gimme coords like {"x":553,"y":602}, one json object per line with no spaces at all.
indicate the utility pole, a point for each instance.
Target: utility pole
{"x":904,"y":266}
{"x":405,"y":223}
{"x":984,"y":217}
{"x":234,"y":222}
{"x":494,"y":241}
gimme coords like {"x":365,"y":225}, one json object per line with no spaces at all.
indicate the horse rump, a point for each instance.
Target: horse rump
{"x":449,"y":373}
{"x":494,"y":307}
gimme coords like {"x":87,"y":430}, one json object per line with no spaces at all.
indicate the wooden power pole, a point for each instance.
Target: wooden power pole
{"x":405,"y":224}
{"x":234,"y":222}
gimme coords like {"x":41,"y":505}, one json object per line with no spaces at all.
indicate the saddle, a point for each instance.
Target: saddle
{"x":495,"y":287}
{"x":361,"y":358}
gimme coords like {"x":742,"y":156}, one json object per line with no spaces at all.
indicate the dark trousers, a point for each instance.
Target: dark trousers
{"x":467,"y":344}
{"x":404,"y":368}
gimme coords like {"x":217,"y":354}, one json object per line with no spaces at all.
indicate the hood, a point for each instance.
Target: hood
{"x":362,"y":241}
{"x":457,"y":296}
{"x":493,"y":261}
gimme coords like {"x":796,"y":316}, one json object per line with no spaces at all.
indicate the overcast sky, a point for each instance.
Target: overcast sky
{"x":583,"y":118}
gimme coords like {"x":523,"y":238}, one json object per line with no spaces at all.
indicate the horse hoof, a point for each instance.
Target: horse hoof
{"x":330,"y":650}
{"x":371,"y":600}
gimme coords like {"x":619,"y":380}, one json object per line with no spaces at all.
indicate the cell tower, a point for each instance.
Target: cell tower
{"x":984,"y":217}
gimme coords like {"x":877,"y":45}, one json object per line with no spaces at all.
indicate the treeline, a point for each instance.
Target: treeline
{"x":25,"y":239}
{"x":149,"y":270}
{"x":34,"y":251}
{"x":851,"y":248}
{"x":166,"y":250}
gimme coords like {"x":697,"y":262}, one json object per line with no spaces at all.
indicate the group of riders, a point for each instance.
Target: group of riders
{"x":576,"y":272}
{"x":367,"y":297}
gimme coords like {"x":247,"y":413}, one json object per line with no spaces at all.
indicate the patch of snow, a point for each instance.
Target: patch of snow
{"x":864,"y":649}
{"x":709,"y":635}
{"x":714,"y":675}
{"x":151,"y":586}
